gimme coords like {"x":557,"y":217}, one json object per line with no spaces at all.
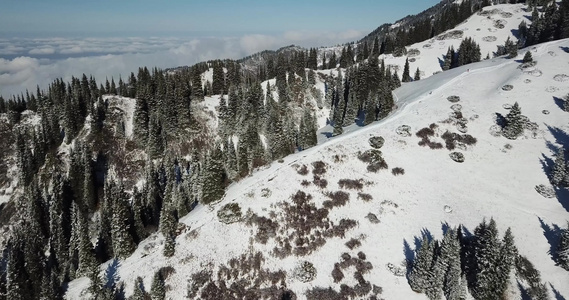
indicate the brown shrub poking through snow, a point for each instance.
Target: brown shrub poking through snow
{"x":320,"y":182}
{"x":353,"y":243}
{"x":365,"y":197}
{"x":300,"y":227}
{"x":302,"y":170}
{"x":339,"y":198}
{"x":351,"y":184}
{"x":452,"y":139}
{"x":319,"y":167}
{"x":425,"y":133}
{"x":241,"y":277}
{"x":397,"y":171}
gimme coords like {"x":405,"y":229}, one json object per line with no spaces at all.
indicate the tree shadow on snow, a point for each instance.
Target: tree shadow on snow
{"x":566,"y":49}
{"x":562,"y":195}
{"x":561,"y":137}
{"x":546,"y":165}
{"x":111,"y":274}
{"x":559,"y":102}
{"x":409,"y":257}
{"x":552,"y":234}
{"x":441,"y":62}
{"x":516,"y":33}
{"x":500,"y":120}
{"x":326,"y":134}
{"x":523,"y":292}
{"x":557,"y":294}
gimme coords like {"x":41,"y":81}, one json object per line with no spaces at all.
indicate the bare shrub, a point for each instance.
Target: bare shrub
{"x":425,"y":133}
{"x":318,"y":167}
{"x":375,"y":167}
{"x":320,"y":182}
{"x":337,"y":273}
{"x":451,"y":139}
{"x":305,"y":183}
{"x":361,"y":255}
{"x":229,"y":213}
{"x":433,"y":126}
{"x":351,"y":184}
{"x":398,"y":171}
{"x":339,"y":198}
{"x":365,"y":197}
{"x":353,"y":243}
{"x":302,"y":170}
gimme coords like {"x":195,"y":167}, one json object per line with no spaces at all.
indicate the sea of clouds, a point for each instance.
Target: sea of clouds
{"x":28,"y":62}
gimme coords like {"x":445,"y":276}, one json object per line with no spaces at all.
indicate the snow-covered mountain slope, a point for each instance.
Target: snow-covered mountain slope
{"x":489,"y":28}
{"x":497,"y":179}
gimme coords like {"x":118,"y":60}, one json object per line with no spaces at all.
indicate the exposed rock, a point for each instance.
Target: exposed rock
{"x":376,"y":142}
{"x":305,"y":271}
{"x":507,"y":87}
{"x":453,"y":99}
{"x":403,"y":130}
{"x":372,"y":218}
{"x":457,"y":156}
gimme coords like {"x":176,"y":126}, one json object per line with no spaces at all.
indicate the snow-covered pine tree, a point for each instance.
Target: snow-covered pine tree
{"x":123,"y":244}
{"x":447,"y":61}
{"x":448,"y":266}
{"x":417,"y":75}
{"x":158,"y":289}
{"x":138,"y":215}
{"x":527,"y":57}
{"x":213,"y":183}
{"x":139,"y":293}
{"x":370,"y":109}
{"x":421,"y":270}
{"x":563,"y":249}
{"x":406,"y":73}
{"x":559,"y":172}
{"x":514,"y":124}
{"x":486,"y":255}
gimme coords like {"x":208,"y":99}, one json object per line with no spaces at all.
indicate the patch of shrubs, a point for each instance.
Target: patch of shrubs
{"x":430,"y":144}
{"x":229,"y":213}
{"x":353,"y":243}
{"x":320,"y":182}
{"x":425,"y":133}
{"x":305,"y":183}
{"x":365,"y":197}
{"x":241,"y":278}
{"x":318,"y":167}
{"x":302,"y":227}
{"x":451,"y":139}
{"x":337,"y":273}
{"x":374,"y":160}
{"x":302,"y":170}
{"x":339,"y":198}
{"x":351,"y":184}
{"x":397,"y":171}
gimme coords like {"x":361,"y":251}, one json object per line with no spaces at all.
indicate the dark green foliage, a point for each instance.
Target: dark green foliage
{"x":419,"y":278}
{"x":510,"y":48}
{"x":158,"y":289}
{"x":406,"y":75}
{"x":417,"y":75}
{"x":514,"y":125}
{"x":563,"y":249}
{"x":123,"y":243}
{"x":468,"y":52}
{"x":214,"y":177}
{"x":559,"y":172}
{"x":527,"y":57}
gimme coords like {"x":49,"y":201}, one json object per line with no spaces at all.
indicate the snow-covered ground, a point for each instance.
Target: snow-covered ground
{"x":497,"y":179}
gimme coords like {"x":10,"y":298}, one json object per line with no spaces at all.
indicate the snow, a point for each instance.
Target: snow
{"x":126,"y":106}
{"x":492,"y":182}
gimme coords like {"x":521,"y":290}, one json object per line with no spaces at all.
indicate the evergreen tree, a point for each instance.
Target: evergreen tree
{"x":447,"y":61}
{"x":563,"y":249}
{"x":488,"y":284}
{"x":16,"y":276}
{"x":527,"y":57}
{"x":448,"y":266}
{"x":406,"y":76}
{"x":559,"y":169}
{"x":419,"y":278}
{"x":351,"y":109}
{"x":123,"y":244}
{"x":213,"y":177}
{"x":417,"y":75}
{"x":514,"y":124}
{"x":158,"y":289}
{"x":218,"y":84}
{"x":510,"y":48}
{"x":370,"y":109}
{"x":139,"y":293}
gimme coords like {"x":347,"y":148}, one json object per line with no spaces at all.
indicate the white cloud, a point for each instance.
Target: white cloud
{"x":111,"y":57}
{"x":43,"y":50}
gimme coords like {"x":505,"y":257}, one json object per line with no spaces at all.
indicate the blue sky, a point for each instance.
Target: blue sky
{"x":34,"y":18}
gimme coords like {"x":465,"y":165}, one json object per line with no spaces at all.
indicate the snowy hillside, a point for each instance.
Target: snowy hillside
{"x":497,"y":179}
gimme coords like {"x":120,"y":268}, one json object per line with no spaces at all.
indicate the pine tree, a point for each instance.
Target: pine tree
{"x":158,"y":290}
{"x":417,"y":75}
{"x":487,"y":283}
{"x":213,"y":177}
{"x":139,"y":293}
{"x":448,"y":266}
{"x":406,"y":76}
{"x":16,"y":277}
{"x":370,"y":110}
{"x":447,"y":61}
{"x":123,"y":244}
{"x":559,"y":169}
{"x":566,"y":103}
{"x":218,"y":84}
{"x":527,"y":57}
{"x":514,"y":125}
{"x":563,"y":249}
{"x":511,"y":48}
{"x":421,"y":270}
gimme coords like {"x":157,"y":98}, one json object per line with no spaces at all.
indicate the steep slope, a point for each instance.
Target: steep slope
{"x":497,"y":179}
